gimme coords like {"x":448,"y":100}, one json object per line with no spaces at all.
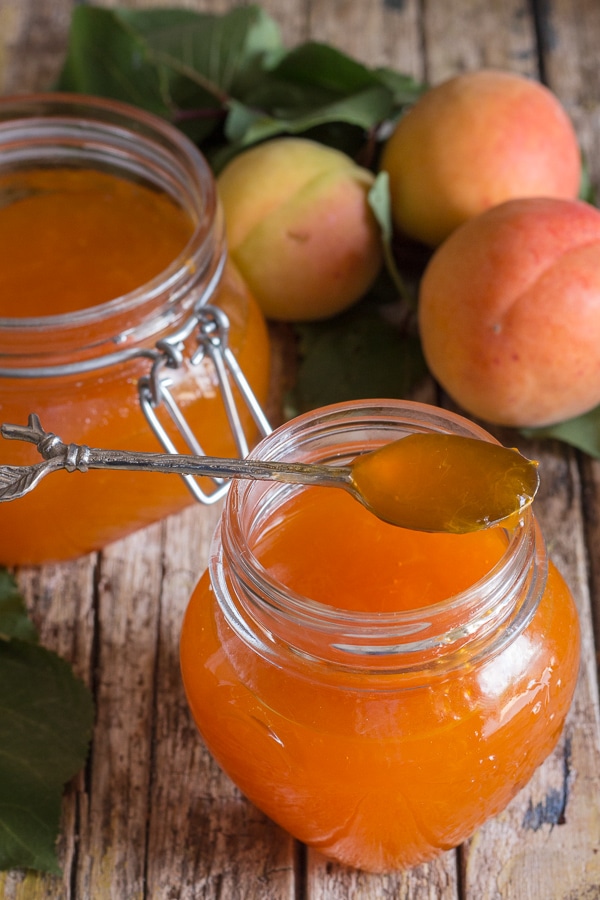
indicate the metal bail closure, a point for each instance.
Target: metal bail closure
{"x":154,"y":390}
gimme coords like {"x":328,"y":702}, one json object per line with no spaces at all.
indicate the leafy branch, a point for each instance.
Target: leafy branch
{"x":39,"y":753}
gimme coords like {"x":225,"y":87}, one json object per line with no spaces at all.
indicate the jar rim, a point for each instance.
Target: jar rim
{"x":476,"y":610}
{"x":115,"y":120}
{"x":240,"y":490}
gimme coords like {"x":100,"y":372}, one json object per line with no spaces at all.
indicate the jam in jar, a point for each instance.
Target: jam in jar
{"x":122,"y":321}
{"x":379,"y":692}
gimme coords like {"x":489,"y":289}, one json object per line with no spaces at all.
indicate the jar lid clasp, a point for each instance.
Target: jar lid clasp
{"x":154,"y":391}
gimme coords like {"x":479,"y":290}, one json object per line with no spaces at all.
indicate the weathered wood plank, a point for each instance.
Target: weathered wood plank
{"x":434,"y":881}
{"x":591,"y":508}
{"x":153,"y":816}
{"x":376,"y":32}
{"x":33,"y":35}
{"x":292,"y":19}
{"x":569,"y":40}
{"x":545,"y":843}
{"x":112,"y":834}
{"x":473,"y":34}
{"x":203,"y":835}
{"x":569,"y":43}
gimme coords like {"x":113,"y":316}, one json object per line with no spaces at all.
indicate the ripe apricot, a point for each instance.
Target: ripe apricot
{"x":472,"y":142}
{"x":299,"y":227}
{"x":509,"y":312}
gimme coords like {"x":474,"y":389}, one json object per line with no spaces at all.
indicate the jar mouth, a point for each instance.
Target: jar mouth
{"x":80,"y":130}
{"x":406,"y":621}
{"x":505,"y":596}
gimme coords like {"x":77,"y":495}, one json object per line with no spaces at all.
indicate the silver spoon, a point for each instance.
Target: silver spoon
{"x":427,"y":482}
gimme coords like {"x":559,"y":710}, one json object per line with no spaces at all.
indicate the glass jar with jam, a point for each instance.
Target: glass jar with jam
{"x":379,"y":692}
{"x":122,"y":321}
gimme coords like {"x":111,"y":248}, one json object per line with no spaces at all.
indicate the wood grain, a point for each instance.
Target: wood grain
{"x":152,"y":816}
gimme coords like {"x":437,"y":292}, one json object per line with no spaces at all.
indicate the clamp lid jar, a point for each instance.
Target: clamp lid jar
{"x":378,"y":692}
{"x":129,"y":327}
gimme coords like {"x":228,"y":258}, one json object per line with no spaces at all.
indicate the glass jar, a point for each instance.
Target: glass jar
{"x":378,"y":692}
{"x":180,"y":360}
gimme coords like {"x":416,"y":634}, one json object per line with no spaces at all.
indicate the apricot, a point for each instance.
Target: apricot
{"x":472,"y":142}
{"x":509,"y":312}
{"x":299,"y":227}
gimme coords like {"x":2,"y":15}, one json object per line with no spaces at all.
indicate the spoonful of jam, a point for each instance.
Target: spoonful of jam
{"x":426,"y":481}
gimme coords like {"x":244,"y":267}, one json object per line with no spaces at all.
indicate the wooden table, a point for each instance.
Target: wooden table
{"x":152,"y":816}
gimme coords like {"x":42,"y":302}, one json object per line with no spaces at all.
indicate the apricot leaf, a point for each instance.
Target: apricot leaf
{"x":315,"y":85}
{"x":226,"y":80}
{"x":582,"y":432}
{"x":363,"y":110}
{"x":46,"y":717}
{"x":14,"y":621}
{"x":381,"y":205}
{"x":587,"y":190}
{"x":356,"y":355}
{"x":325,"y":67}
{"x":176,"y":63}
{"x":404,"y":89}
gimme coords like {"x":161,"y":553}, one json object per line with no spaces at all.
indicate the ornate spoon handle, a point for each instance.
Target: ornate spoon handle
{"x":16,"y":481}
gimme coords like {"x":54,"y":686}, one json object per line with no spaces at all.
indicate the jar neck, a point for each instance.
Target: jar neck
{"x":420,"y":643}
{"x":71,"y":130}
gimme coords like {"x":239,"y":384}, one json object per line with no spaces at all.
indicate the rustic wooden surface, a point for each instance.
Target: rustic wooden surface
{"x":152,"y":816}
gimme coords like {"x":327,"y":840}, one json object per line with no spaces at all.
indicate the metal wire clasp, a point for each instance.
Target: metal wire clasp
{"x":212,"y":327}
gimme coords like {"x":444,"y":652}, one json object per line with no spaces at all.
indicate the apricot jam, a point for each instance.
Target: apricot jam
{"x":75,"y":238}
{"x":378,"y":692}
{"x":444,"y":482}
{"x":119,"y":312}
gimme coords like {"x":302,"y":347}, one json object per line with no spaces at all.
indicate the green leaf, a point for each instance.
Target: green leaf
{"x":357,"y":355}
{"x":106,"y":58}
{"x":46,"y":717}
{"x":14,"y":622}
{"x":250,"y":125}
{"x":405,"y":90}
{"x":222,"y":54}
{"x":314,"y":85}
{"x":325,"y":67}
{"x":587,"y":191}
{"x":582,"y":432}
{"x":227,"y":80}
{"x":176,"y":63}
{"x":381,"y":205}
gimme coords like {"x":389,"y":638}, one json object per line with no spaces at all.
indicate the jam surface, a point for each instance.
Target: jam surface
{"x":365,"y":564}
{"x":74,"y":238}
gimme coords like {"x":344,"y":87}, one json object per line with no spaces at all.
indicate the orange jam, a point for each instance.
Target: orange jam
{"x":378,"y":567}
{"x":111,"y":238}
{"x":378,"y":692}
{"x":74,"y":238}
{"x":444,"y":482}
